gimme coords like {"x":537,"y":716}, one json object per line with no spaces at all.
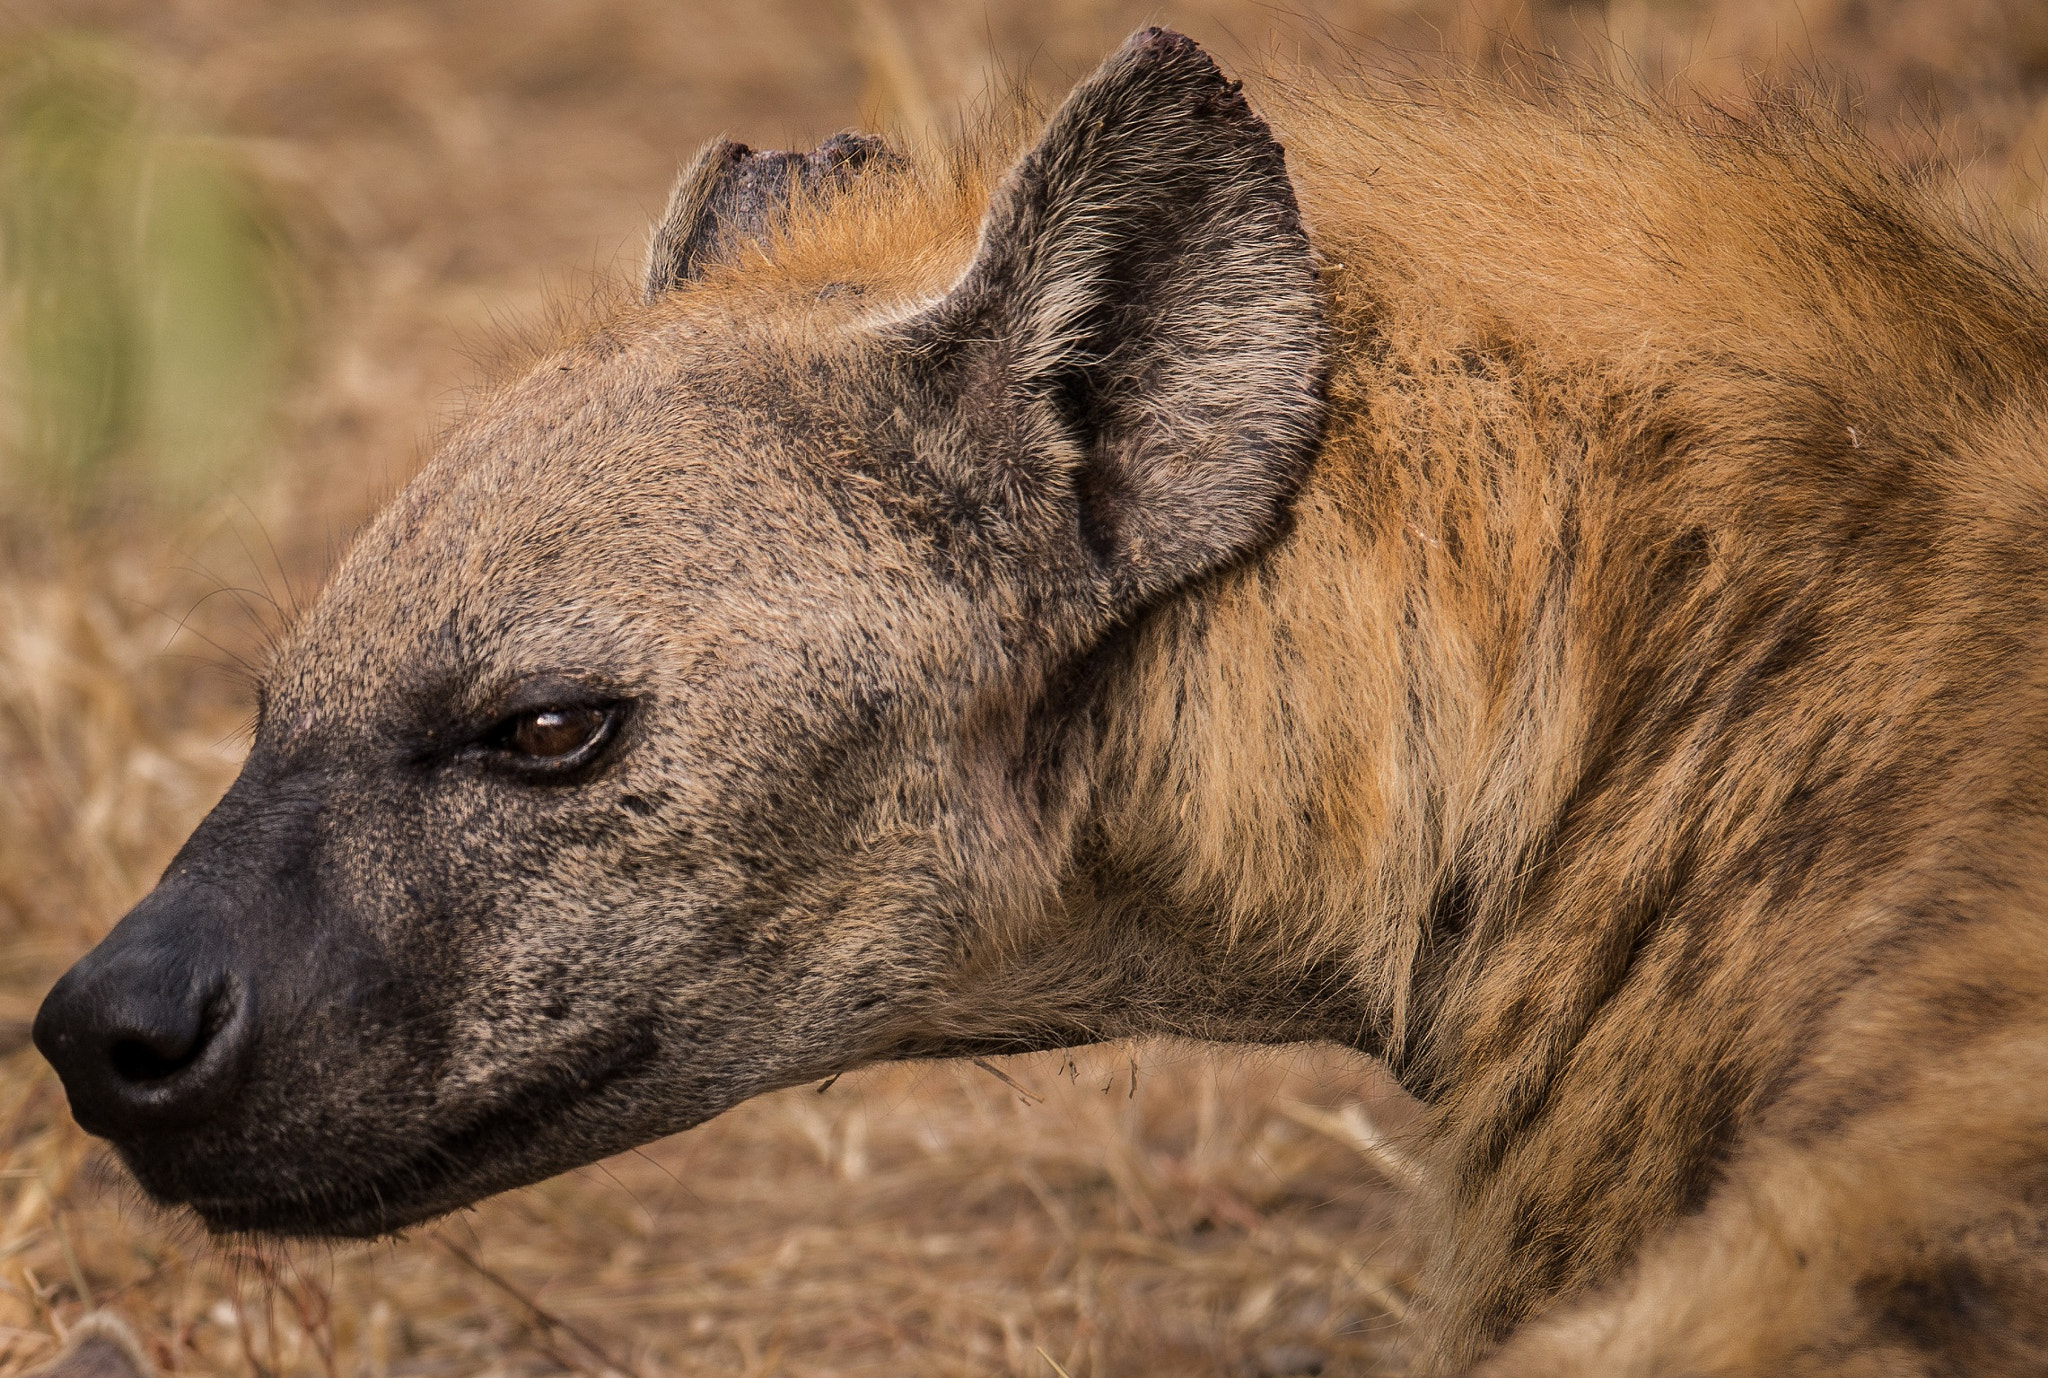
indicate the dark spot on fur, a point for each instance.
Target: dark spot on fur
{"x":1836,"y":1108}
{"x":1940,"y":1306}
{"x":1795,"y":640}
{"x":1097,"y":503}
{"x":1450,"y":911}
{"x":1679,"y":565}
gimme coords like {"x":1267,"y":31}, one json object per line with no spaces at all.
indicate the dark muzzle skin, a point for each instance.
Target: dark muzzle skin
{"x":153,"y":1031}
{"x":175,"y":1035}
{"x":271,"y":1036}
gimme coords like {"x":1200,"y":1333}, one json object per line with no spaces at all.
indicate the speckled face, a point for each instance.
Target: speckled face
{"x":685,"y":729}
{"x":606,"y":785}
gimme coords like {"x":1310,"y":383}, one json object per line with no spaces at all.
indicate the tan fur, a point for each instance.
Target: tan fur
{"x":1575,"y":321}
{"x":1585,"y":323}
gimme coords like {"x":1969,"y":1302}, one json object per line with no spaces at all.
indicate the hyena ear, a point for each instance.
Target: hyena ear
{"x":1144,"y":298}
{"x":731,"y":194}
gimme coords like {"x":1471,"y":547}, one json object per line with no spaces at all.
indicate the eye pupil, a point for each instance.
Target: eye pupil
{"x":555,"y":731}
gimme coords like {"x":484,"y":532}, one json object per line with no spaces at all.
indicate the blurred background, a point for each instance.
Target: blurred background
{"x":250,"y":251}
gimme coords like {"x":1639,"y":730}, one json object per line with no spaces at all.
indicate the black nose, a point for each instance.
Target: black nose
{"x":146,"y":1034}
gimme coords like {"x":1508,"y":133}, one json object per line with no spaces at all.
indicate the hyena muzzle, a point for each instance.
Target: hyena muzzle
{"x":1571,"y":626}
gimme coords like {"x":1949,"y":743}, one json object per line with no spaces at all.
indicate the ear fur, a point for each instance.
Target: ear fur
{"x":730,"y":194}
{"x":1143,"y":301}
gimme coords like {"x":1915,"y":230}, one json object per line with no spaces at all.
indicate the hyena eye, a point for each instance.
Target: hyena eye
{"x":555,"y":739}
{"x":555,"y":731}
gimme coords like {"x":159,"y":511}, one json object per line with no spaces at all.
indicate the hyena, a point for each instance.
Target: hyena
{"x":1549,"y":591}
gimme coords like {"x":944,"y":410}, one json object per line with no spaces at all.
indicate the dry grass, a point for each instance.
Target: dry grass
{"x":1159,"y":1210}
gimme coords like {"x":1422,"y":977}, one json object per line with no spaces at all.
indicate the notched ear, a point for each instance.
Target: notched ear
{"x":731,"y":194}
{"x":1144,"y":298}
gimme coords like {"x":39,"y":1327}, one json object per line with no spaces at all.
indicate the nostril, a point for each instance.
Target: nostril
{"x":141,"y":1056}
{"x":135,"y":1060}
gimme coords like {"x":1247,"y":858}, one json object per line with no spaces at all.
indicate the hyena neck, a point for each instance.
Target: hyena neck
{"x":1599,"y":757}
{"x":1320,"y":765}
{"x":1496,"y":734}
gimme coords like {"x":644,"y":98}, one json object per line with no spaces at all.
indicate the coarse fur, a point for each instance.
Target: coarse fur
{"x":1579,"y":636}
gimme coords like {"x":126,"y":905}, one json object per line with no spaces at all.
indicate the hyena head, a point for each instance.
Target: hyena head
{"x":693,"y":725}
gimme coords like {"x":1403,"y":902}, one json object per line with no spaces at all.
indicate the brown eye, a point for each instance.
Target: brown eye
{"x":550,"y":733}
{"x":556,"y":743}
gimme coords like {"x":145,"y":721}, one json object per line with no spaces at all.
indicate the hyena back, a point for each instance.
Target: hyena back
{"x":1549,"y":593}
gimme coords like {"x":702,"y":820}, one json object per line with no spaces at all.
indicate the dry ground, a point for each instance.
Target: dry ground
{"x":1134,"y":1211}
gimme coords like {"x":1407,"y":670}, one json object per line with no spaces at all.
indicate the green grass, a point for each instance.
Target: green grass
{"x":146,"y":290}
